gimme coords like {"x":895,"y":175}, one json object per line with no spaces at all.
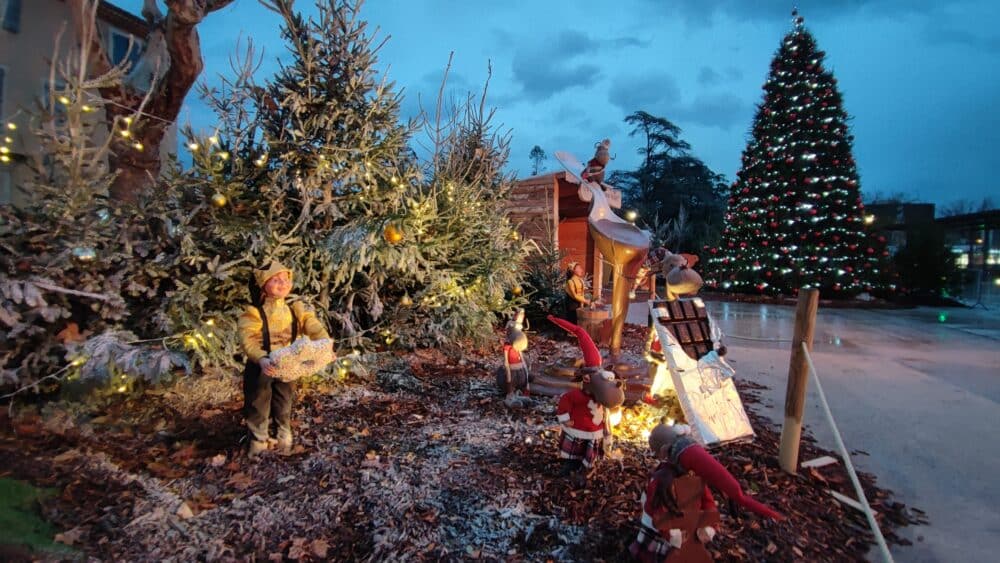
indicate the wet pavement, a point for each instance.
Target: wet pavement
{"x":916,"y":394}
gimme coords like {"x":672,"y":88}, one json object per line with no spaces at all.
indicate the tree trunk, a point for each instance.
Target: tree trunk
{"x":137,"y":157}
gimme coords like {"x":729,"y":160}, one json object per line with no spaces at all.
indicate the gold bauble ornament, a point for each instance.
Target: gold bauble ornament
{"x":84,"y":254}
{"x":219,"y":200}
{"x":392,"y":234}
{"x":517,"y":291}
{"x":405,"y":301}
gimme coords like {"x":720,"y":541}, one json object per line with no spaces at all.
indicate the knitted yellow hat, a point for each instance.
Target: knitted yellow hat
{"x":273,"y":269}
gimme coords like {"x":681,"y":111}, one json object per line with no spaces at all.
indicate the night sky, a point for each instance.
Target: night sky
{"x":919,"y":78}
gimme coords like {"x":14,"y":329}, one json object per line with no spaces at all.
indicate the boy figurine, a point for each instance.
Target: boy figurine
{"x":268,"y":324}
{"x":583,"y":412}
{"x":514,"y":375}
{"x":668,"y":511}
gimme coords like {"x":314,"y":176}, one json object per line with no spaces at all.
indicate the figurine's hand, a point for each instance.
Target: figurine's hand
{"x":267,"y":366}
{"x":706,"y":534}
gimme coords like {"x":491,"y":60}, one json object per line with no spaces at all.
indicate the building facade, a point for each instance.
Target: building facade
{"x":28,"y":32}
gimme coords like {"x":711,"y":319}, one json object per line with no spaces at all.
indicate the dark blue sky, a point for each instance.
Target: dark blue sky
{"x":920,"y":78}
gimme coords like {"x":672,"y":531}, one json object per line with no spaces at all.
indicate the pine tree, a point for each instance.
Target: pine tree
{"x":795,"y":216}
{"x":313,"y":168}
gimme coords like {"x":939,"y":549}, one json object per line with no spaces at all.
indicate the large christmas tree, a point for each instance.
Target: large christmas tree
{"x":795,"y":216}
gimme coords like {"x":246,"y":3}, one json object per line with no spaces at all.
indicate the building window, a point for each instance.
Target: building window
{"x":10,"y":14}
{"x":120,"y":49}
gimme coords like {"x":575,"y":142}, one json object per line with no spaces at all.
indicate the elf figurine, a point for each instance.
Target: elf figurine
{"x":513,"y":376}
{"x":678,"y":512}
{"x":582,"y":412}
{"x":268,"y":324}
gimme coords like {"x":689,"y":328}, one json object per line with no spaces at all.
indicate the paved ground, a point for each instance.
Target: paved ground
{"x":917,"y":390}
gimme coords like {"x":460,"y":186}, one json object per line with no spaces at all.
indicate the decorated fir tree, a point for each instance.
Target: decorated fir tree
{"x":313,"y":168}
{"x":81,"y":273}
{"x":795,"y":216}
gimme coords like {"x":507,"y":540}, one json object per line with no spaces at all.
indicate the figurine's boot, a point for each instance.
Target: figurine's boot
{"x":284,"y":440}
{"x":257,"y":447}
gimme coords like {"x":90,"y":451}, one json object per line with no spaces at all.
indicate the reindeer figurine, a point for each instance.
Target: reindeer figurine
{"x":514,"y":375}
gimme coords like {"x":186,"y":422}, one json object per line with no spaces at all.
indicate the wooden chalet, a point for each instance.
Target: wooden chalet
{"x":548,"y":209}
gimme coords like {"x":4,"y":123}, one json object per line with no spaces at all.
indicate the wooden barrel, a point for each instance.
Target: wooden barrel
{"x":592,"y":320}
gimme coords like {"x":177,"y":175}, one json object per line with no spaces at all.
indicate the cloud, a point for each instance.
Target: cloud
{"x":659,"y":94}
{"x":708,"y":77}
{"x":644,"y":91}
{"x":962,"y":37}
{"x":702,"y":12}
{"x":712,"y":110}
{"x":557,"y":64}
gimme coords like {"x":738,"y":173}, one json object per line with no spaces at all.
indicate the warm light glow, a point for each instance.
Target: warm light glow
{"x":193,"y":146}
{"x":8,"y":140}
{"x":4,"y":159}
{"x":138,"y":146}
{"x":128,"y":121}
{"x":979,"y":241}
{"x":213,"y":139}
{"x":210,"y":322}
{"x":996,"y":282}
{"x":87,"y":109}
{"x":64,"y":100}
{"x":4,"y":150}
{"x":631,"y":215}
{"x":122,"y":389}
{"x":869,"y":219}
{"x":126,"y":133}
{"x":11,"y":126}
{"x":223,"y":155}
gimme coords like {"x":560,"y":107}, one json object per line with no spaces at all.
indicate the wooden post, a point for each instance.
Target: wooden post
{"x":798,"y":376}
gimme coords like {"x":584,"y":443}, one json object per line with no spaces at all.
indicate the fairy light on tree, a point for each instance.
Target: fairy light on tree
{"x":795,"y":216}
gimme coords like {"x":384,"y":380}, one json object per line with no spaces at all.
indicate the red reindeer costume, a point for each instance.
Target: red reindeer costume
{"x":580,"y":412}
{"x":675,"y":524}
{"x":595,"y":166}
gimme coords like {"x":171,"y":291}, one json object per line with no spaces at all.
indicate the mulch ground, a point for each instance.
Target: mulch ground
{"x":419,"y":460}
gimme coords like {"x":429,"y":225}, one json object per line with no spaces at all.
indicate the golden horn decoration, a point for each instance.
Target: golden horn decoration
{"x":623,"y":245}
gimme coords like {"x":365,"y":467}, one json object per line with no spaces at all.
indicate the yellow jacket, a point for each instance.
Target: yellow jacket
{"x":279,"y":323}
{"x":574,"y":288}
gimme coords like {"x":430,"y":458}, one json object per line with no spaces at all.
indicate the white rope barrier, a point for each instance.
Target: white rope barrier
{"x":862,"y":499}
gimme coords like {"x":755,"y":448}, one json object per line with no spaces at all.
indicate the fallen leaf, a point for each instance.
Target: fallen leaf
{"x":70,"y":334}
{"x":184,"y":454}
{"x":164,"y":471}
{"x":319,"y":548}
{"x":70,"y":537}
{"x":67,"y":456}
{"x":298,"y":549}
{"x":240,"y":481}
{"x":184,"y":511}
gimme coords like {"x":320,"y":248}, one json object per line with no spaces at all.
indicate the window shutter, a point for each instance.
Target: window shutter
{"x":12,"y":16}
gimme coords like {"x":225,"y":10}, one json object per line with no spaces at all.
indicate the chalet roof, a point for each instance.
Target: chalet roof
{"x":541,"y":178}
